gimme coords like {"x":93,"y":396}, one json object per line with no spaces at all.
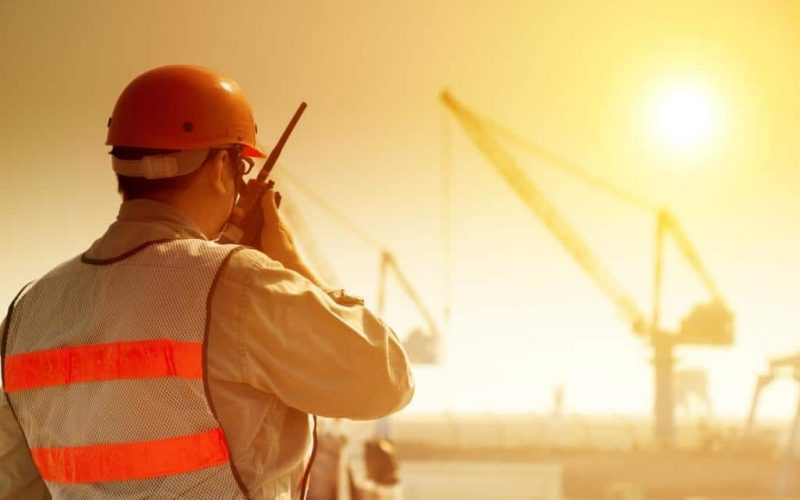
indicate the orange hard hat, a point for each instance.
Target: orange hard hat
{"x":183,"y":107}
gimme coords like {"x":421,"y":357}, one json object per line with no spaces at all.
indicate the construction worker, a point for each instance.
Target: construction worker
{"x":161,"y":364}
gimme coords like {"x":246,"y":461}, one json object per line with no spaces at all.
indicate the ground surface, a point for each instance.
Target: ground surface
{"x":643,"y":474}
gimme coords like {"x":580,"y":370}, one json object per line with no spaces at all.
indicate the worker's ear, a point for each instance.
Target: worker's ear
{"x":218,"y":171}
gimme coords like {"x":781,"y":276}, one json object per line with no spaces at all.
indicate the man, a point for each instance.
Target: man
{"x":160,"y":364}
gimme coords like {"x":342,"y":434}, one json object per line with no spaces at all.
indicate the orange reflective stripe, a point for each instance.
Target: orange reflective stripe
{"x":97,"y":362}
{"x":127,"y":461}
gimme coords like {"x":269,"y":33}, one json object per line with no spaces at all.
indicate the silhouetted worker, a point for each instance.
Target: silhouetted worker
{"x":161,"y":364}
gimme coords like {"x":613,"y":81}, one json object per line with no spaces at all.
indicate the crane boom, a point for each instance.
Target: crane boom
{"x":666,"y":220}
{"x":557,"y":161}
{"x":389,"y":263}
{"x":535,"y":199}
{"x":688,"y":250}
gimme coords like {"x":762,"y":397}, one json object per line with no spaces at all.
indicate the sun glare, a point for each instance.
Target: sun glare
{"x":685,"y":118}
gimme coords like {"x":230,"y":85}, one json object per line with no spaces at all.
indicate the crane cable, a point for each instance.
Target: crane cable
{"x":388,"y":259}
{"x":553,"y":159}
{"x":447,"y":229}
{"x":333,"y":212}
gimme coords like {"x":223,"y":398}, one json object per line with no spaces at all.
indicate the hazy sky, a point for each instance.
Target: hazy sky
{"x":581,"y":78}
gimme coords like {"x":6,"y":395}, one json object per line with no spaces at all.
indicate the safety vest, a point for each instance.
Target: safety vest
{"x":104,"y":368}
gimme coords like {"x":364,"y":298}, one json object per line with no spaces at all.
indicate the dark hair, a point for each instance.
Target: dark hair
{"x":132,"y":188}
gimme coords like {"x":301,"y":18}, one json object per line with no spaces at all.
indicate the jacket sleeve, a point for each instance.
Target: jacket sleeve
{"x":18,"y":476}
{"x":314,"y":354}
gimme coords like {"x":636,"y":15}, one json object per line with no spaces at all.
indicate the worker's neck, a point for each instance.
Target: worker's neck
{"x":200,"y":213}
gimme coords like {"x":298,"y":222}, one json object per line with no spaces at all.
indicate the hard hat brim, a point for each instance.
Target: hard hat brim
{"x":253,"y":152}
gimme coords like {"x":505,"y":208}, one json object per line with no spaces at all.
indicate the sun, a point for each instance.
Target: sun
{"x":685,"y":117}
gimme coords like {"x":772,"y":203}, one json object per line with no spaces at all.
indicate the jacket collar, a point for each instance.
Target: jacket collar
{"x":140,"y":221}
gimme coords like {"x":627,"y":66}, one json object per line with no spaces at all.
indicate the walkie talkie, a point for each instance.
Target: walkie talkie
{"x":246,"y":220}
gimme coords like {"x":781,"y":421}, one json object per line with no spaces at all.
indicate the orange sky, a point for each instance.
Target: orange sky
{"x":576,"y":77}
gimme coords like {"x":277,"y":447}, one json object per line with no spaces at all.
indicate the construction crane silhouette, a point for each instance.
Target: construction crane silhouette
{"x":308,"y":244}
{"x":709,"y":323}
{"x":789,"y":367}
{"x":422,"y":344}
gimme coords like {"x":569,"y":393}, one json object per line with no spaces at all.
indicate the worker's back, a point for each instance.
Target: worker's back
{"x":110,"y":397}
{"x":116,"y":362}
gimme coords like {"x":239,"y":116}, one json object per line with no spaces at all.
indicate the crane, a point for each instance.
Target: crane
{"x":787,"y":366}
{"x":709,"y":323}
{"x":422,"y":345}
{"x":308,"y":243}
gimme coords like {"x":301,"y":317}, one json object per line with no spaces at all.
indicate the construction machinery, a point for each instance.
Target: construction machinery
{"x":709,"y":323}
{"x":784,"y":366}
{"x":422,"y":343}
{"x":332,"y":473}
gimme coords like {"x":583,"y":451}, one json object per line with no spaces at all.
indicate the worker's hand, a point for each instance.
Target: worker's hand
{"x":276,"y":239}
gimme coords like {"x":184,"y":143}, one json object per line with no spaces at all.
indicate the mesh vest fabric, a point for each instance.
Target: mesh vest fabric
{"x":112,"y":351}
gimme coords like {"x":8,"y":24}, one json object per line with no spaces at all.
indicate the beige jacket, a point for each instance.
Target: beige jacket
{"x":279,"y":349}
